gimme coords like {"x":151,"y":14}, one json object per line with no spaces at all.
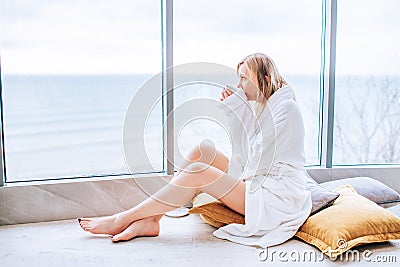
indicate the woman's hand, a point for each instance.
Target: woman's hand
{"x":226,"y":93}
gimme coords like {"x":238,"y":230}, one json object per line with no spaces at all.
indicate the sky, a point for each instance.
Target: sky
{"x":124,"y":36}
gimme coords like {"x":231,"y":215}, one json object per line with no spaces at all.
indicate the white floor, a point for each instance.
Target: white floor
{"x":183,"y":241}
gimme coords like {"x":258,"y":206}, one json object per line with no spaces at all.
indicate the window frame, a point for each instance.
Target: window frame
{"x":164,"y":34}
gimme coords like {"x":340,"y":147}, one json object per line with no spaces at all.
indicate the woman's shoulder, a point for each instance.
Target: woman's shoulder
{"x":288,"y":103}
{"x":285,"y":107}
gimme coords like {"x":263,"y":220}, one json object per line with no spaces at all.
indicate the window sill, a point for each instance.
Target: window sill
{"x":40,"y":201}
{"x":84,"y":179}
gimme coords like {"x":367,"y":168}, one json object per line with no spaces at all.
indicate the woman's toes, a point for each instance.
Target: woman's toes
{"x":125,"y":235}
{"x":81,"y":225}
{"x":116,"y":238}
{"x":85,"y":226}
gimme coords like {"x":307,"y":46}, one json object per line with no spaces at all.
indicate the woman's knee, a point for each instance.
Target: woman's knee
{"x":206,"y":149}
{"x":196,"y":167}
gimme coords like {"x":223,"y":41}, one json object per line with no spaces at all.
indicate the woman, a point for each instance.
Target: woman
{"x":263,"y":180}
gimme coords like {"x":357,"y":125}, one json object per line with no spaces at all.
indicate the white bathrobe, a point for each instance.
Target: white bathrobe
{"x":268,"y":154}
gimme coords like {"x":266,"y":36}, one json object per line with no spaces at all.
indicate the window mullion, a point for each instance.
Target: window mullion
{"x":328,"y":82}
{"x":2,"y":165}
{"x":168,"y":84}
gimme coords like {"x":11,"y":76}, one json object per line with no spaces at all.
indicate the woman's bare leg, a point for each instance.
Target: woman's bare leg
{"x":199,"y":178}
{"x":205,"y":153}
{"x":150,"y":226}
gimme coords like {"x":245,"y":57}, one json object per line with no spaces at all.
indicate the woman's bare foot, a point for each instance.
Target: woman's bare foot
{"x":109,"y":225}
{"x":144,"y":227}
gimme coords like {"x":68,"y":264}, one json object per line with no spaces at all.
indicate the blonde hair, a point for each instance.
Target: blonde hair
{"x":261,"y":66}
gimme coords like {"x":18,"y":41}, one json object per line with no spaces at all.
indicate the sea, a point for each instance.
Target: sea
{"x":65,"y":126}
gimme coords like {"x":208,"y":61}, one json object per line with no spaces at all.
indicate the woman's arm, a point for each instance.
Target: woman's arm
{"x":241,"y":122}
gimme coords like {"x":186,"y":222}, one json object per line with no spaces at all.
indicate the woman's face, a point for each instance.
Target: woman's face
{"x":246,"y":84}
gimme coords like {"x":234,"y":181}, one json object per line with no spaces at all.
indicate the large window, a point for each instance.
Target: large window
{"x":224,"y":32}
{"x":367,"y":109}
{"x":70,"y":70}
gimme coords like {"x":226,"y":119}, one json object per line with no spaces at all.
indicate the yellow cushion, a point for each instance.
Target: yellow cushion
{"x":214,"y":212}
{"x":352,"y":220}
{"x":211,"y":221}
